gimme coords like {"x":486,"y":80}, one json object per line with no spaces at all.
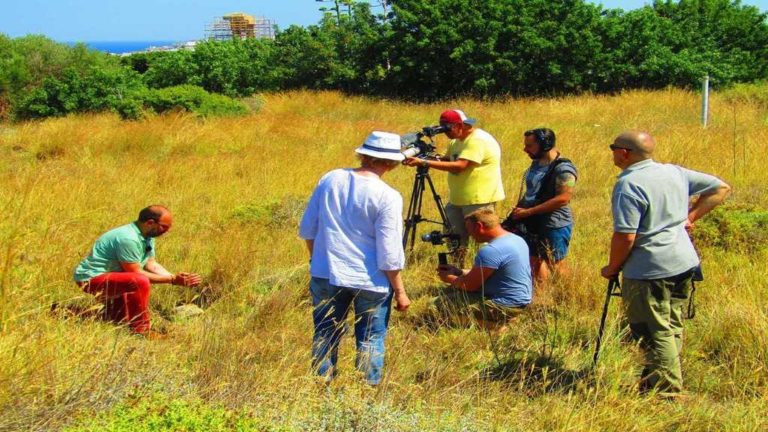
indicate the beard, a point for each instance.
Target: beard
{"x":154,"y":233}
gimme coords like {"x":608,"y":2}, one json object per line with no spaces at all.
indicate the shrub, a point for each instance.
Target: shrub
{"x":77,"y":91}
{"x":193,"y":99}
{"x":216,"y":105}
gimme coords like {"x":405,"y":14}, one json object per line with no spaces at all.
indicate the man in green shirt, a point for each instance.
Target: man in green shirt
{"x":473,"y":163}
{"x":121,"y":268}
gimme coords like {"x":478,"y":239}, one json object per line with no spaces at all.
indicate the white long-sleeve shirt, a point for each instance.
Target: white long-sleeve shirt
{"x":356,"y":223}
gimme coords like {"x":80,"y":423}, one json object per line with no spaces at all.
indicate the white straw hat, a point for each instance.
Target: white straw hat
{"x":382,"y":145}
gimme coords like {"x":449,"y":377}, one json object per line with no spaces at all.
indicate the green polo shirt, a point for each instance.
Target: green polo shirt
{"x":121,"y":244}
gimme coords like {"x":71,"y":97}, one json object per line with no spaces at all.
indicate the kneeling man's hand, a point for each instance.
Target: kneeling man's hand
{"x":187,"y":279}
{"x":448,"y":273}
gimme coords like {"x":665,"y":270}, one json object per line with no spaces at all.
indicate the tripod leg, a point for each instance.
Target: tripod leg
{"x":608,"y":294}
{"x":414,"y":213}
{"x":439,"y":202}
{"x":418,"y":200}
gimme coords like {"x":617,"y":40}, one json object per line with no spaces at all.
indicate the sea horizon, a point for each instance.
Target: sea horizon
{"x":125,"y":46}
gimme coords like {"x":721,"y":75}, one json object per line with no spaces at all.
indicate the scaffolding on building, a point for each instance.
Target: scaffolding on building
{"x":241,"y":26}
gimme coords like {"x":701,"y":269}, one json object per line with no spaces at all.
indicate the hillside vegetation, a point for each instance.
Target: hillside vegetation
{"x":421,"y":50}
{"x":237,"y":188}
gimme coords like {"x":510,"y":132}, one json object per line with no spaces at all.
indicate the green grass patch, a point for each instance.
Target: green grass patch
{"x":283,"y":211}
{"x":736,"y":228}
{"x":159,"y":413}
{"x":754,"y":93}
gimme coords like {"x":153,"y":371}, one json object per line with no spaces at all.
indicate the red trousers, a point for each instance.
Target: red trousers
{"x":125,"y":296}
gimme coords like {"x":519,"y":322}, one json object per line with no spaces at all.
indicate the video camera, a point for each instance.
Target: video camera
{"x":437,"y":238}
{"x":414,"y":144}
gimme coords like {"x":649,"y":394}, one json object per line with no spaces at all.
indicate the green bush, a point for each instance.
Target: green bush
{"x":185,"y":97}
{"x":77,"y":91}
{"x":216,"y":105}
{"x":192,"y":99}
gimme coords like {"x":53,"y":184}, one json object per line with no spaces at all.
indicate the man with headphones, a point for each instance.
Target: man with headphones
{"x":542,"y":215}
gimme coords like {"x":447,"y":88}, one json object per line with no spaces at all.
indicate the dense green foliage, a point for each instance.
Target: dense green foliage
{"x":77,"y":90}
{"x":193,"y":99}
{"x":422,"y":50}
{"x":41,"y":78}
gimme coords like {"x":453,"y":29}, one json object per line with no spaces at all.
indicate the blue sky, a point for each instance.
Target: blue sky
{"x":178,"y":20}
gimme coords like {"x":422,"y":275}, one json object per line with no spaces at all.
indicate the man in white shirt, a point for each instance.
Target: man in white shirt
{"x":353,"y":226}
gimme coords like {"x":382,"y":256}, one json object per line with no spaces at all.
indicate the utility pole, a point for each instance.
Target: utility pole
{"x":705,"y":101}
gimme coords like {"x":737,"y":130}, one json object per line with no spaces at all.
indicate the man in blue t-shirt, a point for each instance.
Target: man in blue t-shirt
{"x":650,"y":246}
{"x":500,"y":284}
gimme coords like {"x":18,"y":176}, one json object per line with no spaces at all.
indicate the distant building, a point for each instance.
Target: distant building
{"x":241,"y":26}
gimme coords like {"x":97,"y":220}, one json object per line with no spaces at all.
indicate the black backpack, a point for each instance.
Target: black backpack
{"x":534,"y":225}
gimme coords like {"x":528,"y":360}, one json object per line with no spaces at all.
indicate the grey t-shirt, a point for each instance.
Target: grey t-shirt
{"x":533,"y":183}
{"x":651,"y":200}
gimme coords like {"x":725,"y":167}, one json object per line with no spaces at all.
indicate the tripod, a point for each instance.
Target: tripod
{"x":414,"y":208}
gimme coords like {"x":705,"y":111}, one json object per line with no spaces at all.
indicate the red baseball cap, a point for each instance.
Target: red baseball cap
{"x":455,"y":116}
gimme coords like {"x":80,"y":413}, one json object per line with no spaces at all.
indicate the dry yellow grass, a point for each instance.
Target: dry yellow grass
{"x":236,"y":188}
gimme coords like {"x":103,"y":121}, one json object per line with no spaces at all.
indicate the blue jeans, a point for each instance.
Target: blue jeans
{"x":331,"y":305}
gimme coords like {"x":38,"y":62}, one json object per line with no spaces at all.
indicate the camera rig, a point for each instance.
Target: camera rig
{"x":421,"y":145}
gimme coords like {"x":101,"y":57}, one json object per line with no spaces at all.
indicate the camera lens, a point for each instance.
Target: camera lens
{"x":411,"y":152}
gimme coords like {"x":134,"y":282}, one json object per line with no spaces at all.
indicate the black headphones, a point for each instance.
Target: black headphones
{"x":545,"y":137}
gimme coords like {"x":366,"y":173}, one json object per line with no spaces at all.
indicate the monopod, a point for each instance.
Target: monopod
{"x":614,"y":290}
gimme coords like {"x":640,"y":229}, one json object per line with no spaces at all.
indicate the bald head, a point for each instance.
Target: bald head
{"x":153,"y":212}
{"x":640,"y":143}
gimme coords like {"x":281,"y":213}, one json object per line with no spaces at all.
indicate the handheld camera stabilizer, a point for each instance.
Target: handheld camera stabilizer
{"x":421,"y":145}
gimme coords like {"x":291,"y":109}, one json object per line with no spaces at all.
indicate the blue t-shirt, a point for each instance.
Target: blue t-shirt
{"x":533,"y":182}
{"x":511,"y":283}
{"x":651,"y":200}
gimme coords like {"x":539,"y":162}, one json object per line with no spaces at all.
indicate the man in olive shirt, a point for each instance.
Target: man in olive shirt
{"x":121,"y":268}
{"x":473,"y":163}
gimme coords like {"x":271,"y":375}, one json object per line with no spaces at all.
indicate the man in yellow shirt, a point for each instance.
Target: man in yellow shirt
{"x":473,"y":163}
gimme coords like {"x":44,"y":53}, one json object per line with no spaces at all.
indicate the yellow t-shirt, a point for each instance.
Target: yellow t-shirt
{"x":478,"y":184}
